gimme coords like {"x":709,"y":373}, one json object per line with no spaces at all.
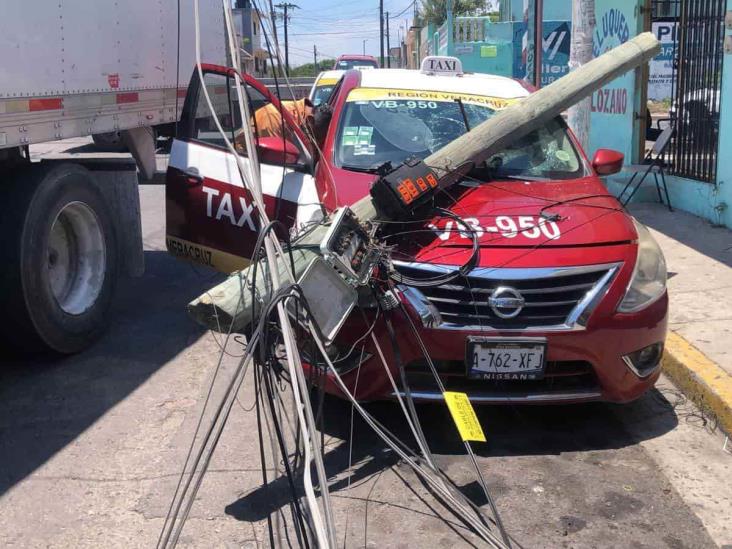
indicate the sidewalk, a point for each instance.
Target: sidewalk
{"x":699,"y":348}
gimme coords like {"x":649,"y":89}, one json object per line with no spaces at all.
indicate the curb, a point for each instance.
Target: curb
{"x":699,"y":378}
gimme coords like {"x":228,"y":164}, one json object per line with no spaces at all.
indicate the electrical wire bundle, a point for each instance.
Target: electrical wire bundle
{"x":287,"y":429}
{"x":321,"y":520}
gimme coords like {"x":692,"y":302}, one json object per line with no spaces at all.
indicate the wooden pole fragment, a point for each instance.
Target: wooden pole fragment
{"x":228,"y":305}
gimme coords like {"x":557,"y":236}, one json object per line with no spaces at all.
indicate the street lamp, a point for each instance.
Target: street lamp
{"x":364,"y":45}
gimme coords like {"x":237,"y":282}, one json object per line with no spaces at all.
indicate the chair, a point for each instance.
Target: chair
{"x":655,"y":163}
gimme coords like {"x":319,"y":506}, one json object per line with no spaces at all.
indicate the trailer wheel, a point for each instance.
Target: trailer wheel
{"x":62,"y":264}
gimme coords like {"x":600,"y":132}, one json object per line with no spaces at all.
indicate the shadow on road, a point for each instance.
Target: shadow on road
{"x":45,"y":403}
{"x":510,"y":430}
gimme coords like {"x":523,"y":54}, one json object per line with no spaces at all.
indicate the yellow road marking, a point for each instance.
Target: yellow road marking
{"x":701,"y":379}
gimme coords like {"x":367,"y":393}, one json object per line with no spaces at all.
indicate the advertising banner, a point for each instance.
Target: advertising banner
{"x":555,"y":48}
{"x":660,"y":69}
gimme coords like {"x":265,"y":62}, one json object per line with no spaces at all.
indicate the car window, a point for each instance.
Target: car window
{"x":268,"y":121}
{"x":201,"y":125}
{"x":379,"y":126}
{"x":348,"y":64}
{"x":334,"y":93}
{"x":322,"y":93}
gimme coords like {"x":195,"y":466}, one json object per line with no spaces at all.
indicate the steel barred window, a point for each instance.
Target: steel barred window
{"x":696,"y":87}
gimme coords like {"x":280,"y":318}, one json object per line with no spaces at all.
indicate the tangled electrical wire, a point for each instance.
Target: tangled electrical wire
{"x":285,"y":342}
{"x":273,"y":332}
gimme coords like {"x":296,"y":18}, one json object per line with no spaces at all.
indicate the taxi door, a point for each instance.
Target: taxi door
{"x":211,"y":218}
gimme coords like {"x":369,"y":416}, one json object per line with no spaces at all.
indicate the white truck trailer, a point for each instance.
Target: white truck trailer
{"x":69,"y":229}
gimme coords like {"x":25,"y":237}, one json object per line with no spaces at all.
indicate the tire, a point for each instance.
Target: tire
{"x":59,"y":249}
{"x":109,"y":142}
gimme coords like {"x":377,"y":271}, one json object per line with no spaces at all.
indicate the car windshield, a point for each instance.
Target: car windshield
{"x":322,"y":93}
{"x":348,"y":64}
{"x":375,"y":129}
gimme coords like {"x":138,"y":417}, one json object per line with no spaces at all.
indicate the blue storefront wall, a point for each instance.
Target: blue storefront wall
{"x":500,"y":51}
{"x":613,"y":121}
{"x":708,"y":200}
{"x":613,"y":106}
{"x":559,"y":10}
{"x":493,"y":55}
{"x":723,"y":192}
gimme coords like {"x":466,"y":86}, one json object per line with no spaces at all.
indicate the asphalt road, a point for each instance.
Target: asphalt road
{"x":91,"y":447}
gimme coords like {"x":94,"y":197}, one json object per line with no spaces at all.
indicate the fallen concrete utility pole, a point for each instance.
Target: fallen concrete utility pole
{"x":228,"y":307}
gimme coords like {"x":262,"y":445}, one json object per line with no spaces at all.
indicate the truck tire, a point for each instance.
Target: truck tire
{"x":59,"y":254}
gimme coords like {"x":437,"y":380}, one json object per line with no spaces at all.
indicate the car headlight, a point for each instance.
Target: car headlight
{"x":649,"y":275}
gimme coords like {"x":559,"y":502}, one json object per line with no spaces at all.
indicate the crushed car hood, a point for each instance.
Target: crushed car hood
{"x":520,"y":215}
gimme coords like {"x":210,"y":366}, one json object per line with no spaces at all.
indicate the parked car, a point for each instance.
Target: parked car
{"x":353,"y":61}
{"x":567,"y":302}
{"x":697,"y":104}
{"x":323,"y":86}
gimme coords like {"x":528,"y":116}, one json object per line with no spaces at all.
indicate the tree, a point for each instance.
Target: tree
{"x":310,"y":69}
{"x":435,"y":11}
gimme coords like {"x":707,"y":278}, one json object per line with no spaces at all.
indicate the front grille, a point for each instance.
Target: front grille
{"x":559,"y":377}
{"x":553,"y":297}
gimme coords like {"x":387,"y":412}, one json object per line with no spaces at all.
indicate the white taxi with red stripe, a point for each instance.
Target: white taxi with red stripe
{"x":324,"y":85}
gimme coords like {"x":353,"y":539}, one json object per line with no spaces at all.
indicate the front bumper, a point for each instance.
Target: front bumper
{"x":582,"y":365}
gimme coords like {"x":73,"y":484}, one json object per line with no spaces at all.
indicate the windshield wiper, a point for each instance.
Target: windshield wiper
{"x":462,"y":111}
{"x":359,"y":169}
{"x":520,"y":177}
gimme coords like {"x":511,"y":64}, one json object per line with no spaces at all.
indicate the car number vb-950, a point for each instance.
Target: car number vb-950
{"x":508,"y":360}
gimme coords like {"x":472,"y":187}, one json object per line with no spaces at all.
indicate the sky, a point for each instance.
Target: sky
{"x":340,"y":26}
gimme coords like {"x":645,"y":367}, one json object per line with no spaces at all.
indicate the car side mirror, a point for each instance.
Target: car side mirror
{"x":275,"y":150}
{"x":607,"y":161}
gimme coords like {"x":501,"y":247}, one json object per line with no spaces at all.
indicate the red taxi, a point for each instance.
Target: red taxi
{"x":354,"y":61}
{"x":568,"y":302}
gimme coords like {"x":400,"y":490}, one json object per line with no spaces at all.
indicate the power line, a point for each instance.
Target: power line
{"x":412,"y":3}
{"x":333,"y":33}
{"x":338,"y":16}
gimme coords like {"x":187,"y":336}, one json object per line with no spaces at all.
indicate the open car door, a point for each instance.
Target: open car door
{"x":210,"y":215}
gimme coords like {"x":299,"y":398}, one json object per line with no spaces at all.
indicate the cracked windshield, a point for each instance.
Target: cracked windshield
{"x":376,"y":131}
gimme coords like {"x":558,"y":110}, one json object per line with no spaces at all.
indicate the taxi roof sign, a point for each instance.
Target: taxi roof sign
{"x":442,"y":64}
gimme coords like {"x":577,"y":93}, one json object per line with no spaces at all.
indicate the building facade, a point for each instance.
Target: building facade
{"x":248,"y":25}
{"x":687,"y":86}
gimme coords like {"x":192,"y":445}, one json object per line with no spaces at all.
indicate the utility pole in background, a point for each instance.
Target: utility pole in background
{"x":381,"y":31}
{"x":273,"y":17}
{"x":580,"y":52}
{"x":388,"y":43}
{"x":285,"y":6}
{"x":315,"y":57}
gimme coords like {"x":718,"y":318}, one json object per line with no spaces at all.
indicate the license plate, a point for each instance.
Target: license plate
{"x":505,"y":358}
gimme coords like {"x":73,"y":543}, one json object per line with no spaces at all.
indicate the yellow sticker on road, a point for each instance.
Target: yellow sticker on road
{"x":464,"y":416}
{"x":385,"y":94}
